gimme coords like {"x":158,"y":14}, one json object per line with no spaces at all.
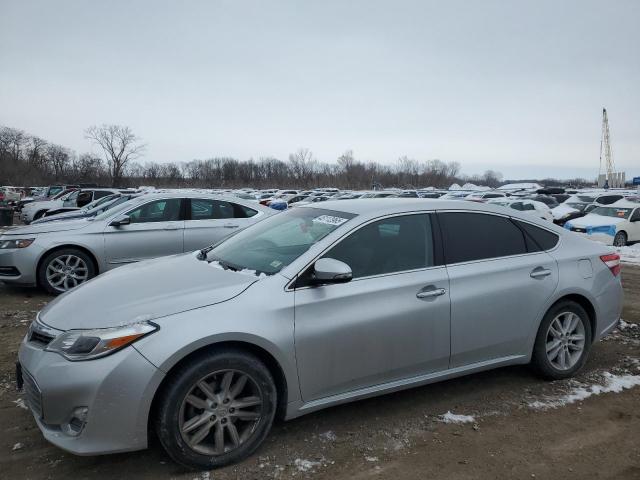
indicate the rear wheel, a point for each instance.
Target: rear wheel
{"x":65,"y":269}
{"x":620,"y":240}
{"x":563,"y":341}
{"x":216,"y":410}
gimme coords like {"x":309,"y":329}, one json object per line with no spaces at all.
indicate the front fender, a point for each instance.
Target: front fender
{"x":266,"y":325}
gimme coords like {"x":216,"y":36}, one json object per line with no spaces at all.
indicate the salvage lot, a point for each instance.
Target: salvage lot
{"x":521,"y":426}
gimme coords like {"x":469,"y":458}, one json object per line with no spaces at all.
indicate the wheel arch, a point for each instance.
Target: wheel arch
{"x":261,"y":353}
{"x":585,"y":303}
{"x":85,"y":250}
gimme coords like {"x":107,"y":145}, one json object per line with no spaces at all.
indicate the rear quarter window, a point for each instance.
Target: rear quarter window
{"x":541,"y":238}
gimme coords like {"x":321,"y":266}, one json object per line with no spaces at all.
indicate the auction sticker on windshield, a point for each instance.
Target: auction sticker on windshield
{"x":330,"y":220}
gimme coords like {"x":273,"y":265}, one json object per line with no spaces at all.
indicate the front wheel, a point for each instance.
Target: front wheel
{"x":620,"y":240}
{"x":563,"y":341}
{"x":65,"y":269}
{"x":216,"y":410}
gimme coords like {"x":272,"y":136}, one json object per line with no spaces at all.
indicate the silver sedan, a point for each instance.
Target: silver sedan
{"x":61,"y":255}
{"x":313,"y":307}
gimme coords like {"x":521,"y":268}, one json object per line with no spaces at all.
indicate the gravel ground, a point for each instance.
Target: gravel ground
{"x":505,"y":423}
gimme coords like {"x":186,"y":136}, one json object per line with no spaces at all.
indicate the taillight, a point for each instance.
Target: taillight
{"x":612,"y":261}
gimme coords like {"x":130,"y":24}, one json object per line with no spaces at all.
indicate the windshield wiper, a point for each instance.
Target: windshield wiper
{"x":202,"y":254}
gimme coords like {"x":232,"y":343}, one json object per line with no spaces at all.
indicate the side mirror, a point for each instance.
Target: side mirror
{"x":118,"y":222}
{"x":329,"y":270}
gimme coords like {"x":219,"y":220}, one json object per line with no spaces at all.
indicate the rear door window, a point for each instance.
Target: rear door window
{"x":477,"y":236}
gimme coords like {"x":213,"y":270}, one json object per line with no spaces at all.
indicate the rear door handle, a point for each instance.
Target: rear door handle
{"x":171,"y":227}
{"x":540,"y":273}
{"x":231,"y":225}
{"x":436,"y":292}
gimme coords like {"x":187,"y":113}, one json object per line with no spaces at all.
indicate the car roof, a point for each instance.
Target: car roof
{"x":192,"y":194}
{"x":392,"y":205}
{"x":623,"y":203}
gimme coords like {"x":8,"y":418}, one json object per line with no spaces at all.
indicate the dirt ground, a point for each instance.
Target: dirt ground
{"x":522,"y":427}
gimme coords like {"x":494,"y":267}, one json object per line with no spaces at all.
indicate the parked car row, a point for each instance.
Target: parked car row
{"x":59,"y":255}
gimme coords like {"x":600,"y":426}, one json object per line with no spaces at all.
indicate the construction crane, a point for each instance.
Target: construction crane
{"x":610,"y":178}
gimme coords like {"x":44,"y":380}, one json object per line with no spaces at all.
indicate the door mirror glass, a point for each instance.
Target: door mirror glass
{"x":329,"y":270}
{"x":118,"y":222}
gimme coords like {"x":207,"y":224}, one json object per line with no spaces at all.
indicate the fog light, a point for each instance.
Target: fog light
{"x":76,"y":423}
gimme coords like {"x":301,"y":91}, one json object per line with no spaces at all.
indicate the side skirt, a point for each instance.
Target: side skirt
{"x":299,"y":408}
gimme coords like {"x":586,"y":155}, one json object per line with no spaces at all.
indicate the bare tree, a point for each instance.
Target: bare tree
{"x":119,"y":145}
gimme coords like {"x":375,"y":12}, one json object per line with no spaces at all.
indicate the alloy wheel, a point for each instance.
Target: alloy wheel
{"x":220,"y":412}
{"x":565,"y":340}
{"x":66,"y":272}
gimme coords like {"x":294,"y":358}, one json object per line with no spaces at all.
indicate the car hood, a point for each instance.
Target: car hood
{"x":48,"y":227}
{"x":40,"y":204}
{"x":72,"y":214}
{"x":561,"y":210}
{"x":145,"y":291}
{"x":591,"y":220}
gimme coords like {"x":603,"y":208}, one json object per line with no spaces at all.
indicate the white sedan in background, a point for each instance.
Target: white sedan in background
{"x":539,"y":209}
{"x":617,"y":224}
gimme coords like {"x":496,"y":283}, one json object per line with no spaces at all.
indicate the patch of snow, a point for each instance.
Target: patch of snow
{"x":622,"y":325}
{"x":305,"y":465}
{"x":17,"y":446}
{"x":612,"y":384}
{"x":455,"y":418}
{"x":629,"y":254}
{"x":520,"y":186}
{"x":371,"y":459}
{"x":328,"y":436}
{"x":561,"y":210}
{"x":20,"y":403}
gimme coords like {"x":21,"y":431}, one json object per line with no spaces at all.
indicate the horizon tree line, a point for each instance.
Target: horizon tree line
{"x":28,"y":160}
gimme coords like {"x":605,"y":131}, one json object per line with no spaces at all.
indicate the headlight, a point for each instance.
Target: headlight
{"x":18,"y":243}
{"x":90,"y":344}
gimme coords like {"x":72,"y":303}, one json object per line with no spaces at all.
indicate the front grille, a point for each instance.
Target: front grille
{"x":40,"y":338}
{"x":32,"y":393}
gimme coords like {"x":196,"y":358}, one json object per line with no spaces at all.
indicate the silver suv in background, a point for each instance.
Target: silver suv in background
{"x":313,"y":307}
{"x":61,"y":255}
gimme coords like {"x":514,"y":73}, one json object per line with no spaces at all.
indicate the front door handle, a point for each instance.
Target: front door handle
{"x":171,"y":227}
{"x":231,"y":225}
{"x":436,"y":292}
{"x":540,"y":273}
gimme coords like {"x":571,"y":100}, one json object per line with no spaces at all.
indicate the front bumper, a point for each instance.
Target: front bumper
{"x":18,"y":265}
{"x":117,"y":390}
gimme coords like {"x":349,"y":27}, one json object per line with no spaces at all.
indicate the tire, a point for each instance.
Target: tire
{"x":70,"y":265}
{"x":175,"y":414}
{"x":547,"y":365}
{"x":620,"y":240}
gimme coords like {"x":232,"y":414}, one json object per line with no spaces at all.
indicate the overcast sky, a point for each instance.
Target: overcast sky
{"x":510,"y":85}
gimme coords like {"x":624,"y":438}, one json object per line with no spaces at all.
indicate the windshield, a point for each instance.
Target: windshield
{"x":612,"y":212}
{"x":269,"y":246}
{"x":55,"y":192}
{"x":60,"y":194}
{"x":117,"y":206}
